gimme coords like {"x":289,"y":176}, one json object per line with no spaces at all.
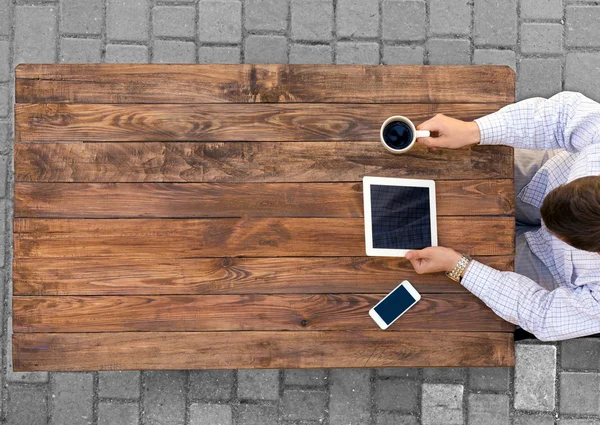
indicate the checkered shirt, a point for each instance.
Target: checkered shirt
{"x":568,"y":121}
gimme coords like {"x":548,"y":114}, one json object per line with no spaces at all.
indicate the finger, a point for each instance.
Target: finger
{"x":416,"y":264}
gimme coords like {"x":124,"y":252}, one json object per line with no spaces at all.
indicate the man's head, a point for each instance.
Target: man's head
{"x":572,"y":213}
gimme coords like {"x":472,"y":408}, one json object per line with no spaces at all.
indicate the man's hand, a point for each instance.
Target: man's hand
{"x":433,"y":259}
{"x":452,"y":133}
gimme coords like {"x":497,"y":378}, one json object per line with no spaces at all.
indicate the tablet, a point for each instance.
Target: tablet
{"x":400,"y":215}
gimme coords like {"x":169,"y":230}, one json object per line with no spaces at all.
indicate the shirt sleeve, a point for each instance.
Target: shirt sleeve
{"x":556,"y":315}
{"x":568,"y":120}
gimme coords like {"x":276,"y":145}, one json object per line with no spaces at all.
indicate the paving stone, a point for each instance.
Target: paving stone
{"x":580,"y":354}
{"x":72,"y":398}
{"x":580,"y":393}
{"x":304,"y":405}
{"x":539,"y":77}
{"x":127,"y":20}
{"x":489,"y":379}
{"x":348,"y":52}
{"x":80,"y":50}
{"x":27,"y":405}
{"x":173,"y":51}
{"x":173,"y":21}
{"x":357,"y":18}
{"x":541,"y":9}
{"x":164,"y":397}
{"x":535,"y":372}
{"x":5,"y":17}
{"x":119,"y":384}
{"x":397,"y":394}
{"x":4,"y":100}
{"x":211,"y":384}
{"x":4,"y":61}
{"x":12,"y":376}
{"x":444,"y":374}
{"x":122,"y":414}
{"x":265,"y":49}
{"x":403,"y":55}
{"x":399,"y":372}
{"x":535,"y":420}
{"x":306,"y":377}
{"x":448,"y":17}
{"x":449,"y":52}
{"x":218,"y":54}
{"x":581,"y":74}
{"x":251,"y":414}
{"x":395,"y":418}
{"x":541,"y":38}
{"x":442,"y":404}
{"x":300,"y":53}
{"x":267,"y":15}
{"x":257,"y":384}
{"x":403,"y":20}
{"x":495,"y":57}
{"x":81,"y":16}
{"x":4,"y":143}
{"x":220,"y":21}
{"x":489,"y":409}
{"x":350,"y":401}
{"x":312,"y":20}
{"x":210,"y":414}
{"x":35,"y":34}
{"x":120,"y":53}
{"x":495,"y":23}
{"x":582,"y":26}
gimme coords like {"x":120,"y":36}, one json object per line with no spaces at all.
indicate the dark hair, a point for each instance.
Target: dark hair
{"x":572,"y":212}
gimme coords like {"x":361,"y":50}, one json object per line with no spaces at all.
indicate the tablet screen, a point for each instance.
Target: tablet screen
{"x":400,"y":217}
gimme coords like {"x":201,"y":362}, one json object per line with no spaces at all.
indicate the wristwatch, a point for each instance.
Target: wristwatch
{"x":457,"y":272}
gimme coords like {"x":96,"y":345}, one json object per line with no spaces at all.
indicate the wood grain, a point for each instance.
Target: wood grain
{"x":237,"y":237}
{"x":205,"y":276}
{"x":222,"y":123}
{"x":268,"y":349}
{"x":112,"y":200}
{"x":185,"y":313}
{"x":120,"y":83}
{"x":252,"y":162}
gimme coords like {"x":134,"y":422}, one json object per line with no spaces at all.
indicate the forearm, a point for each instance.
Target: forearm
{"x":567,"y":120}
{"x":549,"y":315}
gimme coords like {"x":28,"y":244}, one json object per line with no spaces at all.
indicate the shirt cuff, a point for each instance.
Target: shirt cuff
{"x":490,"y":129}
{"x":479,"y":277}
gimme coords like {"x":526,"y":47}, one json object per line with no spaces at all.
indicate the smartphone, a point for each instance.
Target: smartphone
{"x":394,"y":305}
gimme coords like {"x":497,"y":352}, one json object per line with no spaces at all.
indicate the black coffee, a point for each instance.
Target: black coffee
{"x":397,"y":135}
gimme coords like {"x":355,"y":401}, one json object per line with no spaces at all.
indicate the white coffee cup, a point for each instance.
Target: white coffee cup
{"x":415,"y":133}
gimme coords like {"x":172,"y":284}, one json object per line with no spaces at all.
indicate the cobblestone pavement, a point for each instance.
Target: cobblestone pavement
{"x":552,"y":46}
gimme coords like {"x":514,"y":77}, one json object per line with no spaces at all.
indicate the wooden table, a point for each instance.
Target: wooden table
{"x":210,"y":216}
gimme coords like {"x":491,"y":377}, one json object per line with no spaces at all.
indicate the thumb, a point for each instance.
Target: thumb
{"x":432,"y":124}
{"x":413,"y":255}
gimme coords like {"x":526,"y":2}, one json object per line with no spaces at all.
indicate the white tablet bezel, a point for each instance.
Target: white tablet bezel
{"x":388,"y":181}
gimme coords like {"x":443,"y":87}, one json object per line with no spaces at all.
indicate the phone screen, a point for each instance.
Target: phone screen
{"x":394,"y":304}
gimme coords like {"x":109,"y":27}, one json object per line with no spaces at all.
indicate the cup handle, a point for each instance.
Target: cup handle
{"x":422,"y":133}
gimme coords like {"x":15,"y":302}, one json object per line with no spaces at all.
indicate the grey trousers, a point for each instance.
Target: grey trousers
{"x":527,"y":163}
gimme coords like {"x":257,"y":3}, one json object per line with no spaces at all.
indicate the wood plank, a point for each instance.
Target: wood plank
{"x":269,"y":350}
{"x":221,"y":123}
{"x":235,"y":237}
{"x":204,"y":276}
{"x":252,"y":162}
{"x":112,"y":83}
{"x":112,"y":200}
{"x":185,"y":313}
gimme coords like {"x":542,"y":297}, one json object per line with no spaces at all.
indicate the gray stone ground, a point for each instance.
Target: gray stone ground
{"x":551,"y":45}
